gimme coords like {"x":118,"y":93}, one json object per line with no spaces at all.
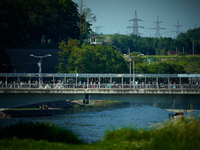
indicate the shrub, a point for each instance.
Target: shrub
{"x":39,"y":131}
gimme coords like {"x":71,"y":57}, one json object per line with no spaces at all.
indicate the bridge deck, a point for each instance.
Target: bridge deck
{"x":101,"y":91}
{"x":166,"y":91}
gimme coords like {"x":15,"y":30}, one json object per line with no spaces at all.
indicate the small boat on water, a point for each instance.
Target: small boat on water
{"x":176,"y":115}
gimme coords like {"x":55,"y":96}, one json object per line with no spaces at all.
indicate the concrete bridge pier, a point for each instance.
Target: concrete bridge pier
{"x":87,"y":99}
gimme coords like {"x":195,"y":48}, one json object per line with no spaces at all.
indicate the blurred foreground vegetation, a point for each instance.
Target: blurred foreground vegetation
{"x":183,"y":133}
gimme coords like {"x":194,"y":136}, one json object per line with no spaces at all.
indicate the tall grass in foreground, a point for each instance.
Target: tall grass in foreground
{"x":182,"y":133}
{"x":179,"y":134}
{"x":39,"y":131}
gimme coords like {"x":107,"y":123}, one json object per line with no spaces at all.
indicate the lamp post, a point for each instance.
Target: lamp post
{"x":134,"y":66}
{"x":40,"y":65}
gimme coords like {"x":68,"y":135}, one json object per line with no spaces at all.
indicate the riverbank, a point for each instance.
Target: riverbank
{"x":65,"y":104}
{"x":180,"y":134}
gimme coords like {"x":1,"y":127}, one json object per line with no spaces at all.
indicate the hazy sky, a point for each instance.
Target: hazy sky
{"x":114,"y":15}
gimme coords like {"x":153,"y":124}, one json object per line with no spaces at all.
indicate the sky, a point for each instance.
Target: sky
{"x":113,"y":15}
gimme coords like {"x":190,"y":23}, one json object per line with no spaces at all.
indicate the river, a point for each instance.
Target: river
{"x":91,"y":123}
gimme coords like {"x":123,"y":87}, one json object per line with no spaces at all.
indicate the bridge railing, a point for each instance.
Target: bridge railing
{"x":99,"y":86}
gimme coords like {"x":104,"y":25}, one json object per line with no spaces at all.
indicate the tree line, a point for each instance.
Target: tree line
{"x":184,"y":43}
{"x":84,"y":58}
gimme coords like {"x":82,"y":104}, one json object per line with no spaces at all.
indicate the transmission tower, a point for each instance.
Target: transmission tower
{"x":177,"y":28}
{"x":158,"y":27}
{"x":135,"y":25}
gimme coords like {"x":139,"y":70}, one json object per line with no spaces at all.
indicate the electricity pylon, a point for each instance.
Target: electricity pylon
{"x":135,"y":25}
{"x":158,"y":27}
{"x":177,"y":28}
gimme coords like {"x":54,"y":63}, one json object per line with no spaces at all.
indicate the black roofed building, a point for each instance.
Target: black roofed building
{"x":22,"y":62}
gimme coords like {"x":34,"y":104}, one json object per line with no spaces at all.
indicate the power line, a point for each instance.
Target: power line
{"x":158,"y":27}
{"x":135,"y":25}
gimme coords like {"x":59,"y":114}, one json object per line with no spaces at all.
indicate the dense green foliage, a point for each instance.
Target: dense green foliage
{"x":90,"y":59}
{"x":156,"y":46}
{"x":76,"y":58}
{"x":179,"y":134}
{"x":169,"y":64}
{"x":29,"y":22}
{"x":39,"y":131}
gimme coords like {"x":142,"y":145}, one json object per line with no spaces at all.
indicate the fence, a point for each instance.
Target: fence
{"x":98,"y":86}
{"x":64,"y":80}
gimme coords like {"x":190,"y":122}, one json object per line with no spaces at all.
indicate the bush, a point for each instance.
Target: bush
{"x":39,"y":131}
{"x":183,"y":133}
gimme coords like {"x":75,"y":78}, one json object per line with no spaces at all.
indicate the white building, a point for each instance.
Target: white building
{"x":95,"y":40}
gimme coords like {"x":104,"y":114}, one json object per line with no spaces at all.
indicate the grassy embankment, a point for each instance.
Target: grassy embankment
{"x":180,"y":134}
{"x":189,"y":63}
{"x":95,"y":104}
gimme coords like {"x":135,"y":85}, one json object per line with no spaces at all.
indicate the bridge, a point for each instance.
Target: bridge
{"x":166,"y":91}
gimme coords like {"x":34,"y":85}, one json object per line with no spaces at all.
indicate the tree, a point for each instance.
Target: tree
{"x":26,"y":22}
{"x":13,"y":26}
{"x":86,"y":17}
{"x":108,"y":40}
{"x":90,"y":59}
{"x":64,"y":54}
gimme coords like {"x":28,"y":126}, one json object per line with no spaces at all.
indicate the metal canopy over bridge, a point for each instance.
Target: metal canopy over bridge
{"x":99,"y":75}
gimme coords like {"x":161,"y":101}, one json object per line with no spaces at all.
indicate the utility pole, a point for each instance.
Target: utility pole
{"x":177,"y":28}
{"x":192,"y":47}
{"x":135,"y":25}
{"x":158,"y":27}
{"x":40,"y":66}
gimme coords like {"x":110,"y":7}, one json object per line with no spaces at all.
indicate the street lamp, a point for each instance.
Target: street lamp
{"x":134,"y":66}
{"x":40,"y":65}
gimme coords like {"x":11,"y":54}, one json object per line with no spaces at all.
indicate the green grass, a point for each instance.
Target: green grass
{"x":96,"y":105}
{"x":179,"y":134}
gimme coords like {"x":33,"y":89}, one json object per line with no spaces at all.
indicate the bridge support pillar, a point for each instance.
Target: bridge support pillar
{"x":87,"y":99}
{"x":168,"y":82}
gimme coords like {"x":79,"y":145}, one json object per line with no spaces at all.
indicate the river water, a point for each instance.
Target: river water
{"x":91,"y":123}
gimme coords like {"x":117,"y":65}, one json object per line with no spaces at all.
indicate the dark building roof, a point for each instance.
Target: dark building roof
{"x":173,"y":52}
{"x":23,"y":63}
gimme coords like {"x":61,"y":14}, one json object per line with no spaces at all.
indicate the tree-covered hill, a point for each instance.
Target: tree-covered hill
{"x":77,"y":58}
{"x":184,"y":43}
